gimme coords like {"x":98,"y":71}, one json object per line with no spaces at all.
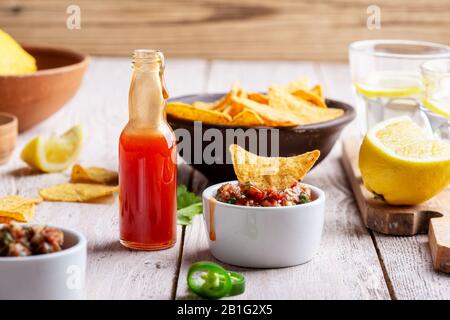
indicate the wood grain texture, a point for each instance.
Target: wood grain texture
{"x":439,"y":238}
{"x":100,"y":106}
{"x":410,"y":268}
{"x":346,"y":266}
{"x":226,"y":29}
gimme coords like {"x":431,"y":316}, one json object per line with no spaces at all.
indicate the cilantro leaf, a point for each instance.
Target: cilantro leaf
{"x":185,"y":215}
{"x":188,"y":205}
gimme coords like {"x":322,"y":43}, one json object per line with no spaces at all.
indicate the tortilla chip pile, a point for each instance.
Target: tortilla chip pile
{"x":283,"y":106}
{"x":265,"y":172}
{"x":87,"y":184}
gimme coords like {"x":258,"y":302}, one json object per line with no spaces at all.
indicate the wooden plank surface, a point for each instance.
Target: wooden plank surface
{"x":100,"y":106}
{"x":406,"y":260}
{"x":226,"y":29}
{"x":346,"y":266}
{"x":408,"y":263}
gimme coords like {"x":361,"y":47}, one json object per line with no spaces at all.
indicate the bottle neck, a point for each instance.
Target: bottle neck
{"x":147,"y":98}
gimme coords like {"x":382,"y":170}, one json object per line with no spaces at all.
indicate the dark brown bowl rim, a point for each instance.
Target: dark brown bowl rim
{"x":84,"y":60}
{"x":347,"y":117}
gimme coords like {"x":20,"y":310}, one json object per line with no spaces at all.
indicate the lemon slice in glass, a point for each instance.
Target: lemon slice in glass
{"x":439,"y":105}
{"x":402,"y":163}
{"x":389,"y":85}
{"x":56,"y":153}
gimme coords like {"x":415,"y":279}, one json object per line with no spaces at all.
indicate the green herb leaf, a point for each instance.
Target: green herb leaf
{"x":185,"y":198}
{"x":188,"y":205}
{"x":185,"y":215}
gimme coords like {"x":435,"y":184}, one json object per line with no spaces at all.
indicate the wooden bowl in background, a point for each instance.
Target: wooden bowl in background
{"x":292,"y":140}
{"x":36,"y":96}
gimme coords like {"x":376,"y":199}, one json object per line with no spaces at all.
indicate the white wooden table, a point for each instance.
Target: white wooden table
{"x":353,"y":263}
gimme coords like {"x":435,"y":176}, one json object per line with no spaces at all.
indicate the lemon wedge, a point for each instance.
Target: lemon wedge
{"x":403,"y":164}
{"x":389,"y":85}
{"x":13,"y":58}
{"x":56,"y":153}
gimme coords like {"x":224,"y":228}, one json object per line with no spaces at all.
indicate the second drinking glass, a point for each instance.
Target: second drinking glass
{"x":386,"y":77}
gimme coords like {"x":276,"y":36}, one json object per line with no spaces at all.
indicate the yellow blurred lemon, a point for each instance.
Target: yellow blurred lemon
{"x":400,"y":162}
{"x":389,"y":84}
{"x":14,"y":59}
{"x":56,"y":153}
{"x":438,"y":105}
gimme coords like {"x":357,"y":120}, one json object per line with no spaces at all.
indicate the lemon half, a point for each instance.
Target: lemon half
{"x":14,"y":59}
{"x":403,"y":164}
{"x":56,"y":153}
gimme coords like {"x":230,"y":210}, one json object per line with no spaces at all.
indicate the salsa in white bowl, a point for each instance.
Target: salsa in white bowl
{"x":263,"y":236}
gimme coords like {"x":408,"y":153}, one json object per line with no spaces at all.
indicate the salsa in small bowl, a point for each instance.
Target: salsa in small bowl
{"x":41,"y":262}
{"x":263,"y":228}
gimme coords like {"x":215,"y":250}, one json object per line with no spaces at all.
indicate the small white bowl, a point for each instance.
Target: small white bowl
{"x":52,"y":276}
{"x":263,"y":237}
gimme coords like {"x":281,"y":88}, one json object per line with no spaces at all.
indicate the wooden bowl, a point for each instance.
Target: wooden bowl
{"x":292,"y":140}
{"x":36,"y":96}
{"x":8,"y":136}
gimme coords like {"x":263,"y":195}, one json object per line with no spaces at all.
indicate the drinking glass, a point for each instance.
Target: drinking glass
{"x":435,"y":100}
{"x":386,"y":78}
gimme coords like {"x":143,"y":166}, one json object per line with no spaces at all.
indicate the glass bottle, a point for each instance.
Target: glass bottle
{"x":147,"y":160}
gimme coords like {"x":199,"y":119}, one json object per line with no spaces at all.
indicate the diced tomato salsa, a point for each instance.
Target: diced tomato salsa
{"x":249,"y":195}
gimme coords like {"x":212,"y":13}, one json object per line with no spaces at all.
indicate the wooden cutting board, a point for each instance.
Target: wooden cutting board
{"x":432,"y":216}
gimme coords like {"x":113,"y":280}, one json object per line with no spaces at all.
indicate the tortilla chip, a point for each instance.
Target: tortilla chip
{"x":301,"y":83}
{"x":310,"y":97}
{"x":6,"y":220}
{"x":94,"y":175}
{"x":303,"y":111}
{"x":204,"y":105}
{"x":317,"y":90}
{"x":248,"y":118}
{"x":233,"y":109}
{"x":271,"y":116}
{"x":17,"y":208}
{"x":222,"y":103}
{"x":226,"y":100}
{"x":242,"y":93}
{"x":259,"y":97}
{"x":188,"y":112}
{"x":265,"y":172}
{"x":77,"y":192}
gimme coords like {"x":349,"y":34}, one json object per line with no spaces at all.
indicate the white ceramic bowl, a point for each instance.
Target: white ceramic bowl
{"x":58,"y":275}
{"x":263,"y":237}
